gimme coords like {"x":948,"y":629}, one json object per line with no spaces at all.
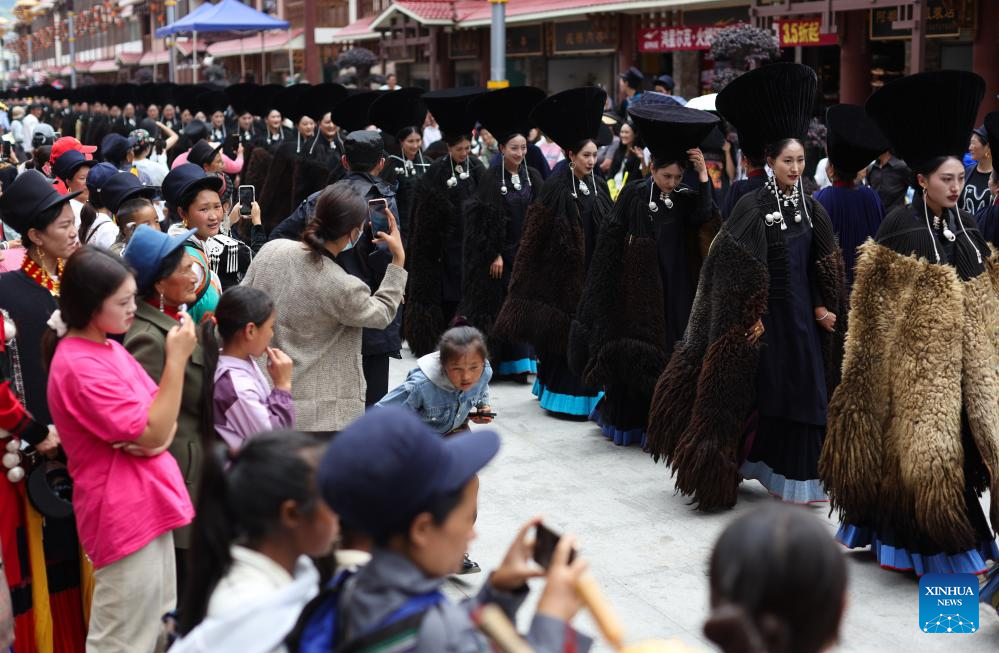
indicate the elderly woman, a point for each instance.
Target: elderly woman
{"x":322,"y":309}
{"x":165,"y":282}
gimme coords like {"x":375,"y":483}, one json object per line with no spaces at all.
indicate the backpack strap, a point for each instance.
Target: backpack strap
{"x":399,"y":631}
{"x":316,"y":627}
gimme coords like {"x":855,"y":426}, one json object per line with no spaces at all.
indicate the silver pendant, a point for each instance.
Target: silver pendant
{"x":503,"y":190}
{"x":666,"y":200}
{"x":583,"y":187}
{"x":515,"y":180}
{"x":653,"y":207}
{"x":949,"y":235}
{"x":797,"y":216}
{"x":452,"y":182}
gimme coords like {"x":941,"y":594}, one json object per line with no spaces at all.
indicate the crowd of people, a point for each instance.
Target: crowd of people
{"x":200,"y":306}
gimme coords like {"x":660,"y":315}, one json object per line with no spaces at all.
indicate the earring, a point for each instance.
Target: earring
{"x":572,"y":165}
{"x":40,"y":254}
{"x":161,"y":302}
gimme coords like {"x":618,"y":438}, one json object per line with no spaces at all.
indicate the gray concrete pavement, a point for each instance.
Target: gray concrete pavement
{"x":646,"y":546}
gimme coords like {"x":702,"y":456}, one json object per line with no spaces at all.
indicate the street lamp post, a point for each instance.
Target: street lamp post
{"x":497,"y":46}
{"x":72,"y":47}
{"x":171,"y":7}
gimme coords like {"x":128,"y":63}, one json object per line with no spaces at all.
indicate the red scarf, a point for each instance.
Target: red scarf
{"x":755,"y":173}
{"x":168,"y":310}
{"x":842,"y":184}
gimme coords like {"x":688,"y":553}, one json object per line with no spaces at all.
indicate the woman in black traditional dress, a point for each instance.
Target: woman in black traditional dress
{"x":495,"y":221}
{"x":913,"y":438}
{"x":855,"y":210}
{"x":745,"y":393}
{"x":399,"y":115}
{"x":555,"y":250}
{"x":629,"y":320}
{"x":988,"y":218}
{"x":438,"y":223}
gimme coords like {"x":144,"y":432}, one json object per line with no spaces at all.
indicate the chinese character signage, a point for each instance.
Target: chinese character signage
{"x":943,"y":18}
{"x":807,"y":32}
{"x":585,"y":36}
{"x":672,"y":39}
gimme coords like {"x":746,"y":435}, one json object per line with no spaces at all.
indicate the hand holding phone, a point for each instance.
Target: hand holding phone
{"x":544,"y":546}
{"x":247,"y":195}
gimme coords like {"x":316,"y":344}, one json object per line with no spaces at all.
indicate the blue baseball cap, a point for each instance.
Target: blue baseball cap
{"x":147,"y":249}
{"x":388,"y":466}
{"x":96,"y":178}
{"x":115,"y":147}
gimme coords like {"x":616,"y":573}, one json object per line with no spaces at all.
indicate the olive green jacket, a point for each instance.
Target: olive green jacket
{"x":146,"y":341}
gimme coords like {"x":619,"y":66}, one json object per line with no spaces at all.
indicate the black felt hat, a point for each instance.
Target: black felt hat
{"x":853,"y":140}
{"x":270,"y":95}
{"x":669,"y":130}
{"x":26,"y":198}
{"x":212,"y":101}
{"x":928,"y":115}
{"x":363,"y":149}
{"x":449,"y":108}
{"x":321,"y":98}
{"x":123,"y":94}
{"x":203,"y":153}
{"x":571,"y":116}
{"x":290,"y":102}
{"x":992,"y":128}
{"x":351,"y":113}
{"x":393,"y":112}
{"x":506,"y":112}
{"x":633,"y":77}
{"x":244,"y":98}
{"x":769,"y":104}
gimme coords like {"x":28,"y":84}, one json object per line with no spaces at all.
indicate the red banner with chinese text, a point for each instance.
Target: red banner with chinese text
{"x":672,"y":39}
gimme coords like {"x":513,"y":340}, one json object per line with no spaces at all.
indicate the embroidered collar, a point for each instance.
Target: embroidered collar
{"x":170,"y":311}
{"x":41,"y":276}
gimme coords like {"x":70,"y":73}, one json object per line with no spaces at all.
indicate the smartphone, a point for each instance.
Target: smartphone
{"x":247,"y":196}
{"x":484,"y":414}
{"x":234,"y":141}
{"x":6,"y":150}
{"x":544,"y":546}
{"x":378,"y":215}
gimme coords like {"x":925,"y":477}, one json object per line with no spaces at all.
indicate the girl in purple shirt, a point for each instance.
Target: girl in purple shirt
{"x":243,"y":403}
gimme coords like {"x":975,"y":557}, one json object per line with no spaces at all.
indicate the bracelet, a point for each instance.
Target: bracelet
{"x":4,"y":244}
{"x":819,"y":319}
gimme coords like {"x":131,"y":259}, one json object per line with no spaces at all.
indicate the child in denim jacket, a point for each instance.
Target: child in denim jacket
{"x":451,"y":385}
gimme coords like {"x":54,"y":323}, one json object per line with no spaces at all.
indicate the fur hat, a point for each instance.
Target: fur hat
{"x":854,"y":140}
{"x":351,"y":113}
{"x":769,"y":104}
{"x":321,"y":98}
{"x":928,"y":115}
{"x":506,"y":112}
{"x":571,"y":116}
{"x":393,"y":112}
{"x":449,"y":108}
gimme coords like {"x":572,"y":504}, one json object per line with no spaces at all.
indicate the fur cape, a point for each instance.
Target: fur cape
{"x":619,"y":335}
{"x":310,"y":175}
{"x":547,"y":280}
{"x":486,"y":221}
{"x":275,"y":196}
{"x":433,"y":218}
{"x":922,"y":345}
{"x":708,"y":389}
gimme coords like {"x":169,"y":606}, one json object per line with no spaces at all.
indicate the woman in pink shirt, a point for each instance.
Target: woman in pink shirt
{"x":116,"y":426}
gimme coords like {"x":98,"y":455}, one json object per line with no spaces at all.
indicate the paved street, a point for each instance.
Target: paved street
{"x":646,"y":547}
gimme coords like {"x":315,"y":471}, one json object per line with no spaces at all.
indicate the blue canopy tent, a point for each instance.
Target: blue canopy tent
{"x":225,"y":16}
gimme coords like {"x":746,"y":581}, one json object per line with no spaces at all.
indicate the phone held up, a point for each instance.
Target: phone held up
{"x":247,"y":196}
{"x":378,"y":217}
{"x":545,"y":542}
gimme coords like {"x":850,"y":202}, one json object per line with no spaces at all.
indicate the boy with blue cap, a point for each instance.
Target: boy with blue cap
{"x":415,"y":494}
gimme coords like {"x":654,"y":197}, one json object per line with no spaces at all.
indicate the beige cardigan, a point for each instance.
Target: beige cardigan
{"x":321,"y":310}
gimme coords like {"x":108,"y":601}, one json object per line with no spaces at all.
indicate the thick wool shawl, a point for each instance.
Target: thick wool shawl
{"x":619,"y":333}
{"x":548,"y":275}
{"x":486,"y":222}
{"x":708,"y":389}
{"x":433,"y":222}
{"x":922,"y":344}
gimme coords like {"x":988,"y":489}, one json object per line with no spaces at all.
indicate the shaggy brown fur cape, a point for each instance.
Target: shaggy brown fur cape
{"x":548,"y":275}
{"x":619,"y":335}
{"x":922,"y":345}
{"x":708,"y":389}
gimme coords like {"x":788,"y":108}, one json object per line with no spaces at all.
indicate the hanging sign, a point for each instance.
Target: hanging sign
{"x":676,"y":39}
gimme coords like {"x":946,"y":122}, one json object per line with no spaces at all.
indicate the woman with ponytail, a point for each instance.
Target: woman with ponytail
{"x":116,"y":426}
{"x":778,"y":584}
{"x":260,"y":517}
{"x":243,"y":404}
{"x":322,"y":309}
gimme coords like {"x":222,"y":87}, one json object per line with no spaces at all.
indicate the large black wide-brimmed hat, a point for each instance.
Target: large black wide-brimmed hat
{"x":769,"y":104}
{"x":212,"y":101}
{"x":571,"y":116}
{"x":853,"y":140}
{"x":26,"y":198}
{"x":393,"y":112}
{"x":289,"y":102}
{"x":992,"y":128}
{"x":351,"y":113}
{"x":507,"y":112}
{"x":928,"y":115}
{"x":669,"y":130}
{"x":321,"y":98}
{"x":244,"y":98}
{"x":449,"y":108}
